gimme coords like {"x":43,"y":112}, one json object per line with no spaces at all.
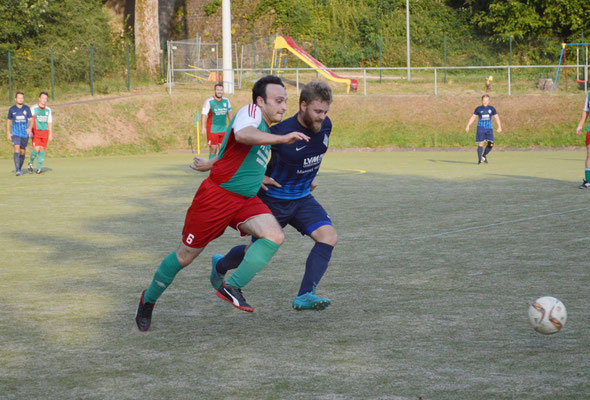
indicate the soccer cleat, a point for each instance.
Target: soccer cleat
{"x":39,"y":171}
{"x":585,"y":185}
{"x":479,"y":162}
{"x":30,"y":168}
{"x":484,"y":159}
{"x":18,"y":172}
{"x":216,"y":278}
{"x":143,"y":316}
{"x":234,"y":296}
{"x":309,"y":301}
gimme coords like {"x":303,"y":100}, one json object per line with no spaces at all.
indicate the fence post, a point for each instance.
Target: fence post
{"x":297,"y":80}
{"x":52,"y":76}
{"x":435,"y":83}
{"x":509,"y":82}
{"x":91,"y":70}
{"x":254,"y":48}
{"x":9,"y":78}
{"x":315,"y":52}
{"x":380,"y":58}
{"x":445,"y":55}
{"x":510,"y":62}
{"x":163,"y":49}
{"x":365,"y":80}
{"x":129,"y":67}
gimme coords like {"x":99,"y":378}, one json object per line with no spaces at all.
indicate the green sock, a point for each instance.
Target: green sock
{"x":40,"y":159}
{"x":587,"y":173}
{"x":211,"y":156}
{"x":33,"y":155}
{"x":163,"y":277}
{"x":257,"y":256}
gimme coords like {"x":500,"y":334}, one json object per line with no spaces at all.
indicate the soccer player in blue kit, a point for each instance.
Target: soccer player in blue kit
{"x":485,"y":132}
{"x":286,"y":190}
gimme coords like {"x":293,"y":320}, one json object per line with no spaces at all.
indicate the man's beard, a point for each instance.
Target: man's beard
{"x":310,"y":123}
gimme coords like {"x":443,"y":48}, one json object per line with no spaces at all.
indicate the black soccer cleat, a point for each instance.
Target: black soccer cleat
{"x":484,"y":158}
{"x":39,"y":171}
{"x":143,"y":316}
{"x":30,"y":168}
{"x":585,"y":185}
{"x":234,"y":296}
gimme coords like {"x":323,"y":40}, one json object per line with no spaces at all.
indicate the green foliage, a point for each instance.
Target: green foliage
{"x":212,"y":7}
{"x":69,"y":28}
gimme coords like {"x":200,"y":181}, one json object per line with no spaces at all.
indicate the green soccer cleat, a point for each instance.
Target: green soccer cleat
{"x":216,"y":278}
{"x":309,"y":301}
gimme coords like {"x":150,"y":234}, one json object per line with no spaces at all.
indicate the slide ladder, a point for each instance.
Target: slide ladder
{"x":284,"y":44}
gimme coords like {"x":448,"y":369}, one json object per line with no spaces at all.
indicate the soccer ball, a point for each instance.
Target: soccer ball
{"x":547,"y":315}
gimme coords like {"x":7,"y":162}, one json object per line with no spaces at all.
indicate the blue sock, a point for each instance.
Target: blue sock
{"x":479,"y":152}
{"x":315,"y":267}
{"x":16,"y":161}
{"x":21,"y":161}
{"x":231,"y":260}
{"x":488,"y":149}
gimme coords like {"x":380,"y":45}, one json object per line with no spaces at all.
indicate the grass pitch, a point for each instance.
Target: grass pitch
{"x":437,"y":261}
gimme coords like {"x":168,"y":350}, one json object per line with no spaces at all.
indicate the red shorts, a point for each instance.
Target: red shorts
{"x":214,"y":209}
{"x":213,"y":139}
{"x":587,"y":138}
{"x":40,"y":138}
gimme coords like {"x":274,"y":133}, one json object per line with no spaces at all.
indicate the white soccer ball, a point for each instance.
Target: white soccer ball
{"x":547,"y":315}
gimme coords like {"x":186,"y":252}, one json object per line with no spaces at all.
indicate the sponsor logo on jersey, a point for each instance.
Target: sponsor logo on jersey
{"x":311,"y":161}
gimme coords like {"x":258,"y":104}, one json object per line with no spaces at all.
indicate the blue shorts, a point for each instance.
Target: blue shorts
{"x":484,"y":135}
{"x":20,"y":141}
{"x":305,"y":214}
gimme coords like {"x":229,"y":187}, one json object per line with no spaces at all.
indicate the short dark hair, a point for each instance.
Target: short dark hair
{"x":485,"y":95}
{"x":316,"y":90}
{"x":17,"y":93}
{"x":259,"y":89}
{"x":43,"y":93}
{"x":218,"y":84}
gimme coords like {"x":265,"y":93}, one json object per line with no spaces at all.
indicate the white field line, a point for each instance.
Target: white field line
{"x":514,"y":221}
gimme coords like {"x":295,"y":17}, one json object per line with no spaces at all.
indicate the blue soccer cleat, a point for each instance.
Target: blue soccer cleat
{"x":216,"y":278}
{"x":309,"y":301}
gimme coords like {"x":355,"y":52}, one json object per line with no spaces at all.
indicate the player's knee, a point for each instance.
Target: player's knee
{"x":329,"y":237}
{"x":186,"y":255}
{"x":275,"y":235}
{"x":490,"y":144}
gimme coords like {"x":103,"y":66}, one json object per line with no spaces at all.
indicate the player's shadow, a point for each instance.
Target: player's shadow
{"x":452,"y":161}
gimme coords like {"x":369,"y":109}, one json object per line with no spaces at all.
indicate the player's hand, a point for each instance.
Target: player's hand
{"x":201,"y":164}
{"x":467,"y":129}
{"x":268,"y":181}
{"x":578,"y":130}
{"x":499,"y":130}
{"x":294,"y":137}
{"x":8,"y":136}
{"x":50,"y":138}
{"x":314,"y":184}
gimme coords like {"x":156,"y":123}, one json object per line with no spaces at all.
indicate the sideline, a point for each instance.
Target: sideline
{"x":498,"y":223}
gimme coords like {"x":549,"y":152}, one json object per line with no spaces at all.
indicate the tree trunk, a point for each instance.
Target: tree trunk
{"x":147,"y":37}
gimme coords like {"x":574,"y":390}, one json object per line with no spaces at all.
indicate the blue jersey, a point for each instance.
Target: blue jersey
{"x":485,"y":116}
{"x":20,"y":120}
{"x":295,"y":165}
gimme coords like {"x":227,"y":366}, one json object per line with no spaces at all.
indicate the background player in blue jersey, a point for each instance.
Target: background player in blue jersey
{"x":18,"y":129}
{"x":485,"y":132}
{"x":290,"y":178}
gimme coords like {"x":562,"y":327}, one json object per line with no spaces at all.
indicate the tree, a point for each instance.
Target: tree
{"x":147,"y":37}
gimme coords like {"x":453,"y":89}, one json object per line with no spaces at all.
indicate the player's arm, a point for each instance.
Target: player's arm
{"x":268,"y":181}
{"x":582,"y":121}
{"x":230,"y":116}
{"x":204,"y":124}
{"x":8,"y":128}
{"x":252,"y":137}
{"x":30,"y":126}
{"x":473,"y":117}
{"x":314,"y":184}
{"x":50,"y":131}
{"x":203,"y":164}
{"x":497,"y":118}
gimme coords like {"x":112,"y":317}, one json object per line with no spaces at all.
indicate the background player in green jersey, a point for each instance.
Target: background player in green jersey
{"x":42,"y":131}
{"x":227,"y":197}
{"x":585,"y":111}
{"x":215,"y":116}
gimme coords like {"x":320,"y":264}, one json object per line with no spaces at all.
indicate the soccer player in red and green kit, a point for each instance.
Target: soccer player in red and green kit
{"x":42,"y":131}
{"x":228,"y":198}
{"x":216,"y":112}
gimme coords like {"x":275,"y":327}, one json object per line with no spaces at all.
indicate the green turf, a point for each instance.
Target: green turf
{"x":436,"y":262}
